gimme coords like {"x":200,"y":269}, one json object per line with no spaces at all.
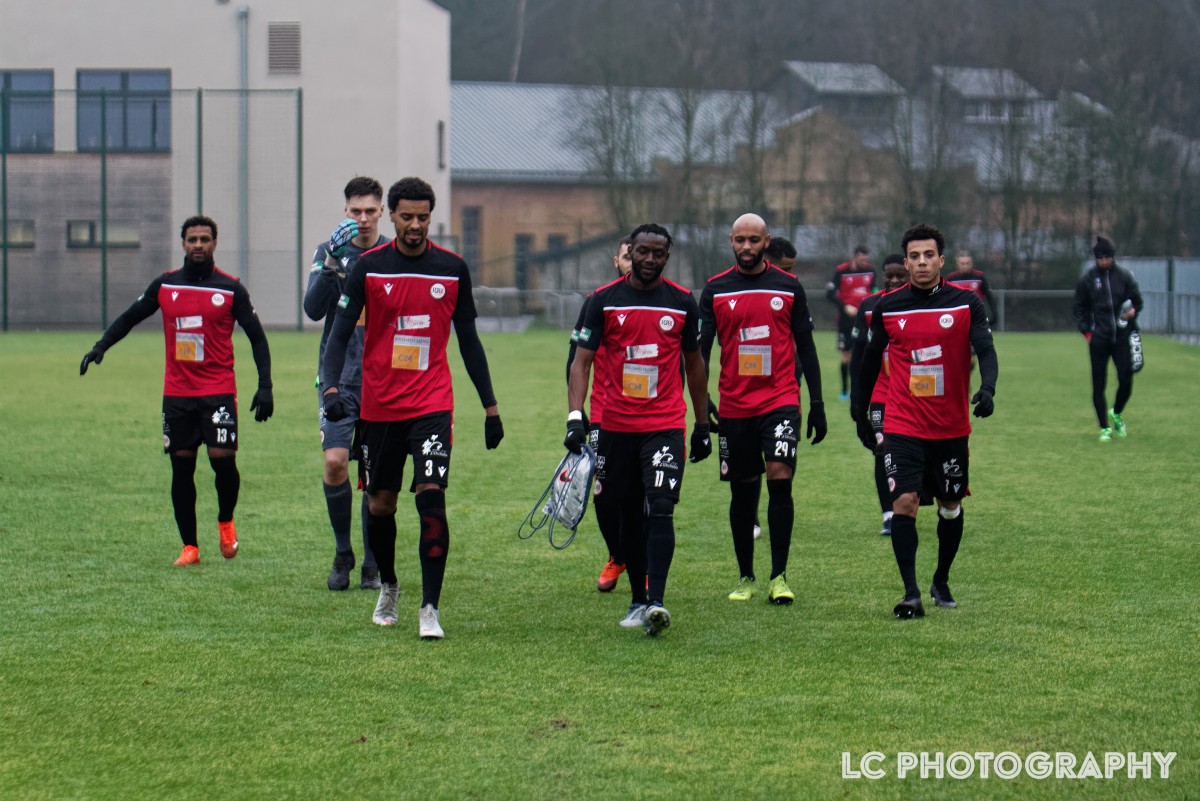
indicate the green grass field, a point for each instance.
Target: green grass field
{"x":124,"y":678}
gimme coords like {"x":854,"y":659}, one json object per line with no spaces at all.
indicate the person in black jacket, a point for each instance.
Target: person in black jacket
{"x":1107,"y":301}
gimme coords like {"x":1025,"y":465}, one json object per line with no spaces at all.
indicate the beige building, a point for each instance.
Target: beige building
{"x":332,"y":91}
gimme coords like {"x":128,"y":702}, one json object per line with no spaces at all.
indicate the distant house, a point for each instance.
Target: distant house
{"x":984,"y":95}
{"x":858,"y":93}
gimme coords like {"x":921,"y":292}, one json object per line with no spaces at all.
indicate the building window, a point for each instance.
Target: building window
{"x":522,"y":246}
{"x":133,"y":107}
{"x":441,"y":144}
{"x":283,"y":48}
{"x":20,"y":234}
{"x":27,"y":105}
{"x":87,"y":234}
{"x":472,"y":225}
{"x":556,"y":242}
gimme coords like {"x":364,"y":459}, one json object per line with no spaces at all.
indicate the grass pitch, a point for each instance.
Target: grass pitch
{"x":124,"y":678}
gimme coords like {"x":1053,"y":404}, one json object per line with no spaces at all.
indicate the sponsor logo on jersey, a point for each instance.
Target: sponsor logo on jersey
{"x":218,"y":299}
{"x":174,"y":296}
{"x":946,"y":320}
{"x":777,"y":303}
{"x":621,"y":319}
{"x":387,"y":288}
{"x":666,"y":322}
{"x":902,"y":323}
{"x":433,"y":447}
{"x":732,"y":302}
{"x":753,"y":333}
{"x":927,"y":354}
{"x":642,"y":351}
{"x":412,"y":321}
{"x":438,"y":291}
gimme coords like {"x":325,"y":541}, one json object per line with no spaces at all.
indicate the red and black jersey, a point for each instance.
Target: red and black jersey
{"x":862,"y":324}
{"x":410,"y":303}
{"x":602,"y":380}
{"x":928,"y":335}
{"x":974,"y":281}
{"x":755,"y":319}
{"x":639,"y":337}
{"x":849,"y":285}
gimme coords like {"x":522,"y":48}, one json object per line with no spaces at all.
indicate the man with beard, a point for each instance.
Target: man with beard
{"x":928,"y":328}
{"x":411,"y":291}
{"x":636,"y":331}
{"x":199,"y":306}
{"x":758,"y":313}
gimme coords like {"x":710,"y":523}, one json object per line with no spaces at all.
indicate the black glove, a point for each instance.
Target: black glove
{"x":94,"y":355}
{"x":816,"y":422}
{"x":335,"y":409}
{"x":714,"y":417}
{"x":263,"y":404}
{"x":857,"y":413}
{"x":576,"y":435}
{"x":493,"y":431}
{"x":701,"y":444}
{"x":983,"y":403}
{"x":866,"y":434}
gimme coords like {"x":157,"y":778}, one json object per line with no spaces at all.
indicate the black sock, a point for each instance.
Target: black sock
{"x":845,"y":378}
{"x":633,"y":545}
{"x":881,"y":487}
{"x":228,"y":481}
{"x":743,"y":509}
{"x":434,"y":544}
{"x":781,"y":514}
{"x":660,"y":546}
{"x":368,"y":561}
{"x":608,"y":518}
{"x":337,"y":501}
{"x":904,"y":545}
{"x":382,"y":533}
{"x":183,"y":496}
{"x":949,"y":536}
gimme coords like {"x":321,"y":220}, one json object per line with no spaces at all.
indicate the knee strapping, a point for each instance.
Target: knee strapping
{"x":435,"y":532}
{"x":660,"y":506}
{"x":946,"y":513}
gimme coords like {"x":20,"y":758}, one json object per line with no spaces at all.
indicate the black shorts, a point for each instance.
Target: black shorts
{"x":845,"y":326}
{"x":211,"y":419}
{"x":654,"y":458}
{"x":876,"y":416}
{"x":746,"y":443}
{"x":935,"y":468}
{"x":387,"y":446}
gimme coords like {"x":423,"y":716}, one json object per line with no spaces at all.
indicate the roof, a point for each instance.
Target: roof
{"x":834,"y":78}
{"x":520,"y":132}
{"x":984,"y":83}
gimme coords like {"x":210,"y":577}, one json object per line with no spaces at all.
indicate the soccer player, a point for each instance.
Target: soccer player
{"x":411,"y":291}
{"x":871,"y":435}
{"x":852,"y":281}
{"x":967,"y":276}
{"x":781,"y":253}
{"x":199,"y":306}
{"x":332,"y":261}
{"x":927,"y":328}
{"x":1107,"y":301}
{"x":759,"y":315}
{"x":608,"y":517}
{"x":637,"y":330}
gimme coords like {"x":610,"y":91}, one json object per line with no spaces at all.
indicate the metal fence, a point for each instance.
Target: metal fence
{"x":94,"y":185}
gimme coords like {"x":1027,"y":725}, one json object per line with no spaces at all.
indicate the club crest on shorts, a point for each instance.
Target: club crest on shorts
{"x":437,"y":291}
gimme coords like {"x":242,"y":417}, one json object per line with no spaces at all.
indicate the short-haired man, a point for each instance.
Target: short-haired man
{"x":927,"y":328}
{"x":759,"y":316}
{"x":968,"y":276}
{"x":894,"y":277}
{"x":781,"y":253}
{"x":199,"y":306}
{"x":332,"y":261}
{"x":851,"y":282}
{"x":411,"y":291}
{"x":638,"y":328}
{"x":1107,"y":301}
{"x":608,"y":517}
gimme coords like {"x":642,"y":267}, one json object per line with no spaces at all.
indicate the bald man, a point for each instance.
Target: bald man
{"x":759,"y":316}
